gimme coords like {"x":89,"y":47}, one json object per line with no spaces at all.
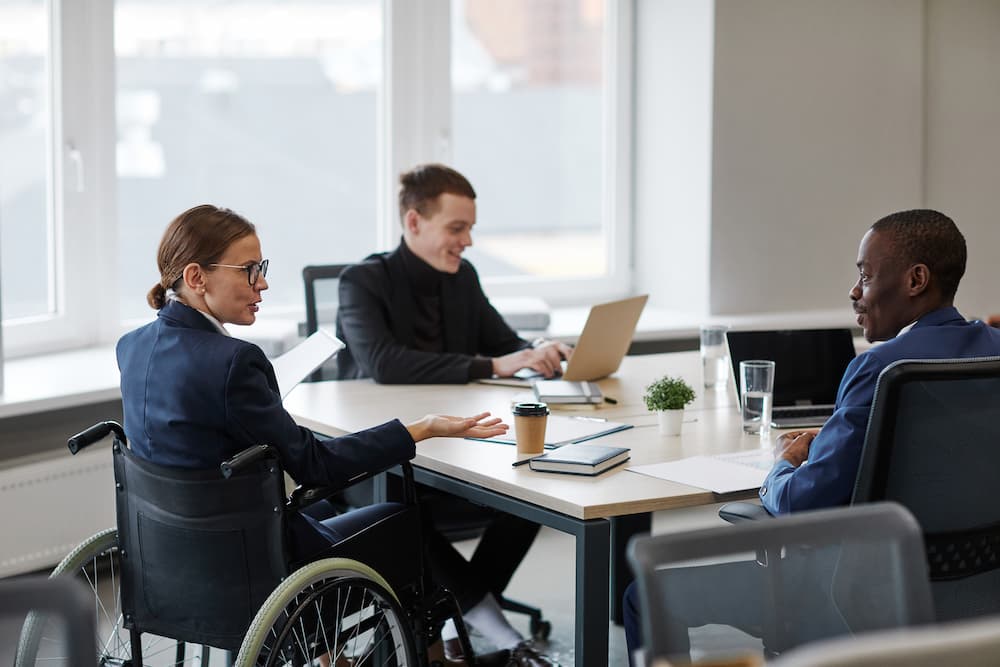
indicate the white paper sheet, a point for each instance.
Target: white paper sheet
{"x":293,"y":366}
{"x":739,"y":471}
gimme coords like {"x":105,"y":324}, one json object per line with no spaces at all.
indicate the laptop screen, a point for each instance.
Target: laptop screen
{"x":808,"y":363}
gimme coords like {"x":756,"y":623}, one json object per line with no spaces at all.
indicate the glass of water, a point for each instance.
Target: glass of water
{"x":714,"y":356}
{"x":756,"y":396}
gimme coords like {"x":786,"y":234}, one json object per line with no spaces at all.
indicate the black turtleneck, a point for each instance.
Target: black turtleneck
{"x":428,"y":323}
{"x":425,"y":282}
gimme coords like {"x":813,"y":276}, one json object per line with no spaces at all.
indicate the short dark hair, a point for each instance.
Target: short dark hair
{"x":421,"y":186}
{"x":924,"y":236}
{"x":200,"y":235}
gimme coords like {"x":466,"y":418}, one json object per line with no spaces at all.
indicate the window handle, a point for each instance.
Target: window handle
{"x":76,"y":159}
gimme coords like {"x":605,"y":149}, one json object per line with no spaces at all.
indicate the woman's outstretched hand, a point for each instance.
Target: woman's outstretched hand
{"x":439,"y":426}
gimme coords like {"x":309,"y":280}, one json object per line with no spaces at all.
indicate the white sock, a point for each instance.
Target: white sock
{"x":449,"y":631}
{"x":488,"y":620}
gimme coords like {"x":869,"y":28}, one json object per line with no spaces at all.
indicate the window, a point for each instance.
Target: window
{"x":527,"y":89}
{"x":268,"y":108}
{"x":26,"y":225}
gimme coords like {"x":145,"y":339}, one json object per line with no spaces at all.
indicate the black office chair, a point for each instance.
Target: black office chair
{"x":321,"y":289}
{"x":827,"y":573}
{"x":201,"y":557}
{"x":61,"y":608}
{"x":933,"y":445}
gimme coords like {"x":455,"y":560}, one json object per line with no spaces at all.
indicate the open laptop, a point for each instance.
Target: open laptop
{"x":808,"y":367}
{"x":601,"y":347}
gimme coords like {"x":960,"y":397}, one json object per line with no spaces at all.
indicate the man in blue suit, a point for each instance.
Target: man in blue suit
{"x":909,"y":266}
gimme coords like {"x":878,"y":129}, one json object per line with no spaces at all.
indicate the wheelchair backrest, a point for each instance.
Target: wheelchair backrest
{"x":199,"y":553}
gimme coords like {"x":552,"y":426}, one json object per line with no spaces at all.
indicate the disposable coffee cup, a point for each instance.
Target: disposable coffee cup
{"x":529,"y":427}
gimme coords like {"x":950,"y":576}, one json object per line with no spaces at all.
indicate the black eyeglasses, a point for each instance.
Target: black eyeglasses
{"x":254,"y":271}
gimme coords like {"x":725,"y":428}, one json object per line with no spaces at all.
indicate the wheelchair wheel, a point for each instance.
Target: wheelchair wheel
{"x":95,"y":562}
{"x":335,"y":612}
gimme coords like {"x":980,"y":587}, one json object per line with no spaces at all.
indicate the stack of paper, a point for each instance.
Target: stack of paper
{"x":725,"y":473}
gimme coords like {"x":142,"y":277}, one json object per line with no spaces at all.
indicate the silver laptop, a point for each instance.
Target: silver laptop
{"x":808,"y":367}
{"x":602,"y":345}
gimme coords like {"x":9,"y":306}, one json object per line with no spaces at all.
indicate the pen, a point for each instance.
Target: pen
{"x":521,"y":462}
{"x":608,"y":399}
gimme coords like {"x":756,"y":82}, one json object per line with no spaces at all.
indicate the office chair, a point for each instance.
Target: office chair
{"x":933,"y":445}
{"x":789,"y":581}
{"x":322,"y":280}
{"x":62,"y":606}
{"x":960,"y":644}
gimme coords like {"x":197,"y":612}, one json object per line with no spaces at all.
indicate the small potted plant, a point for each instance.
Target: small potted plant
{"x":667,"y":397}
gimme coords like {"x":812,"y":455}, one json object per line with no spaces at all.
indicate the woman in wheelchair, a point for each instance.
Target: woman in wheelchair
{"x":194,"y":396}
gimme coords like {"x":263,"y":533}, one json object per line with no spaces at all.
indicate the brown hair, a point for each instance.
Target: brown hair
{"x":200,"y":235}
{"x":422,"y":185}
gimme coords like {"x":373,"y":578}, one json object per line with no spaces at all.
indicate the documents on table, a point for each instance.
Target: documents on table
{"x":724,"y":473}
{"x":293,"y":366}
{"x":560,"y":430}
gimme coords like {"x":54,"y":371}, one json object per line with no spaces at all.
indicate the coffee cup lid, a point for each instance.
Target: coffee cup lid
{"x":531,"y":409}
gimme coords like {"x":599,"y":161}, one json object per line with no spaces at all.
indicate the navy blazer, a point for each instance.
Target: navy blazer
{"x":375,"y":319}
{"x":827,"y":478}
{"x":193,"y":397}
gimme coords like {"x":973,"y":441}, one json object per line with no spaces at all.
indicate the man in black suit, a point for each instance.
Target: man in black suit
{"x":418,"y":314}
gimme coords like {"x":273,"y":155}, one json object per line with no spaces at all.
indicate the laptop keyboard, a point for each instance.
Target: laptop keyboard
{"x":793,"y":413}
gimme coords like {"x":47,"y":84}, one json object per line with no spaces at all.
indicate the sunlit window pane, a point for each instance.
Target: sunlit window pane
{"x":25,"y":122}
{"x":266,"y":107}
{"x":527,"y":107}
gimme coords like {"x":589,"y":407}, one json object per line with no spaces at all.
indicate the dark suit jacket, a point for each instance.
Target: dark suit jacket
{"x":375,"y":318}
{"x":193,"y":397}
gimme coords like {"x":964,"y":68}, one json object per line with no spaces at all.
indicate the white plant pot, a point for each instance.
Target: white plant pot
{"x":670,"y":421}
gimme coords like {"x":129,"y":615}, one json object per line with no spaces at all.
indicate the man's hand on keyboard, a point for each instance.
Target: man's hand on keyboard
{"x":794,"y":446}
{"x":545,"y":358}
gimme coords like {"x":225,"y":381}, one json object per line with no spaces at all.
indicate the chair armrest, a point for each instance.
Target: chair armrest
{"x":302,"y":496}
{"x":743,"y":511}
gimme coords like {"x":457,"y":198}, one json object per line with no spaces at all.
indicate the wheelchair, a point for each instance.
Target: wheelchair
{"x":199,"y":557}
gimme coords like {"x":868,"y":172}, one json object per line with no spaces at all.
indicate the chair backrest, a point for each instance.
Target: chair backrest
{"x":199,"y":553}
{"x":62,"y":604}
{"x":933,"y":445}
{"x":965,"y":644}
{"x":321,"y":289}
{"x":793,"y":579}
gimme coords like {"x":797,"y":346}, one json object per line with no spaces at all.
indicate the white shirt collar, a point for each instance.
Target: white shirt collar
{"x":173,"y":296}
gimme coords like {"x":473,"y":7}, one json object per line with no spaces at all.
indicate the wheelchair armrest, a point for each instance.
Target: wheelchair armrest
{"x":302,"y":495}
{"x":246,"y":457}
{"x":743,"y":511}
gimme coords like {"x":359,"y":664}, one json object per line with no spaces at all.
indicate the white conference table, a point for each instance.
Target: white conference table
{"x":603,"y":512}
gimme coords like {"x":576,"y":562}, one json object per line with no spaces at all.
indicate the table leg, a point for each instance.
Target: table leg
{"x":593,"y":548}
{"x":622,"y":530}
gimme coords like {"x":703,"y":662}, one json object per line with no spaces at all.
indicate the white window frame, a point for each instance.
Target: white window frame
{"x":81,"y":192}
{"x":417,"y":127}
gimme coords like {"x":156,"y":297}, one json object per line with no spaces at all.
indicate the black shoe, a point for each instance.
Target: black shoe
{"x":526,"y":655}
{"x":453,"y":653}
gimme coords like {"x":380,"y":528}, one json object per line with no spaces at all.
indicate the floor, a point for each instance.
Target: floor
{"x":545,"y":579}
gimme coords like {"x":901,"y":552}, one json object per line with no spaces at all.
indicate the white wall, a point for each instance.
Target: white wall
{"x":825,"y":115}
{"x":963,"y":137}
{"x":673,"y":131}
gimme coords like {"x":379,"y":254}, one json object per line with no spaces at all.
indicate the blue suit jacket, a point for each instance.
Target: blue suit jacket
{"x":827,"y":478}
{"x":193,"y":397}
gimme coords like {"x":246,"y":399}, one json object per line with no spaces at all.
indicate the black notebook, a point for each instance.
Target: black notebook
{"x":580,"y":459}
